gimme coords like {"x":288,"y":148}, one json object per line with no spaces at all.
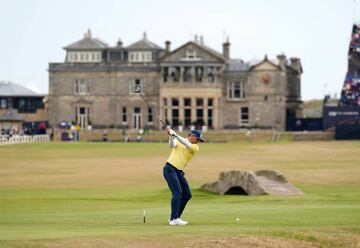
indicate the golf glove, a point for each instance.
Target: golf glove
{"x":172,"y":133}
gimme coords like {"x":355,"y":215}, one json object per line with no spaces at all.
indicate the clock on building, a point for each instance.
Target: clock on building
{"x":266,"y":79}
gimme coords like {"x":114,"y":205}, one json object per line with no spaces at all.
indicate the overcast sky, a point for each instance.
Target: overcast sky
{"x":33,"y":32}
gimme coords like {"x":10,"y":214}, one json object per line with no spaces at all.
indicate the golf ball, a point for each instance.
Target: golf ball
{"x":237,"y":219}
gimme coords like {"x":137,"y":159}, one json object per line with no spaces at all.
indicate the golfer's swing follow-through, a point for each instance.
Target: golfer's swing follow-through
{"x":137,"y":89}
{"x":183,"y":149}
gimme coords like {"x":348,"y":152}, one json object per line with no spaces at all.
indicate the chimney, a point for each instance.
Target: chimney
{"x":196,"y":39}
{"x":88,"y":34}
{"x":167,"y":46}
{"x":296,"y":64}
{"x":282,"y":60}
{"x":201,"y":40}
{"x":119,"y":43}
{"x":226,"y":49}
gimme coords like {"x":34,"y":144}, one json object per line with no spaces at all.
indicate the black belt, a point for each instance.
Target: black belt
{"x":173,"y":167}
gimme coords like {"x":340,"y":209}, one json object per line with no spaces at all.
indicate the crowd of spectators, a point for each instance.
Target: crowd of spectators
{"x":354,"y":50}
{"x":350,"y":94}
{"x":14,"y":131}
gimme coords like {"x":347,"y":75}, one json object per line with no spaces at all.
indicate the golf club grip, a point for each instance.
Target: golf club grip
{"x":163,"y":124}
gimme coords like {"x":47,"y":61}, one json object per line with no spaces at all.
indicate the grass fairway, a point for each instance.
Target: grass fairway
{"x":94,"y":194}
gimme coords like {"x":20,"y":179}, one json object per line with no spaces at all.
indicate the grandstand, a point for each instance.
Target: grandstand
{"x":350,"y":94}
{"x":345,"y":117}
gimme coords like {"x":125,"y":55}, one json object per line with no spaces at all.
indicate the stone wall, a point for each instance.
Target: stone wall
{"x":218,"y":136}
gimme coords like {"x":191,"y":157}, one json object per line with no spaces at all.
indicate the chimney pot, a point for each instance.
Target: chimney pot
{"x":167,"y":46}
{"x":88,"y":34}
{"x":201,"y":40}
{"x":296,"y":64}
{"x":226,"y":49}
{"x":282,"y":60}
{"x":119,"y":43}
{"x":281,"y":57}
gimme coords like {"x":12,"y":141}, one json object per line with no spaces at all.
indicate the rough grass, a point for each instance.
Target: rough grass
{"x":93,"y":195}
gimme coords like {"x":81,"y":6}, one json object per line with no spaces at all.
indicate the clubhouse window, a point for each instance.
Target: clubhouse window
{"x":244,"y":114}
{"x":3,"y":103}
{"x":124,"y":115}
{"x":82,"y":87}
{"x":150,"y":116}
{"x":236,"y":90}
{"x":137,"y":82}
{"x":187,"y":112}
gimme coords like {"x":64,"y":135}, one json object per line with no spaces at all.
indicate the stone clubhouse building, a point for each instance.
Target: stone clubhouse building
{"x":192,"y":85}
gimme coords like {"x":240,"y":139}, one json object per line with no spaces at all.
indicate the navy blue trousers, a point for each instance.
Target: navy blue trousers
{"x":180,"y":190}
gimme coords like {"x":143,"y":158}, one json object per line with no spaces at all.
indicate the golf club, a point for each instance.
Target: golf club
{"x":137,"y":89}
{"x":144,"y":216}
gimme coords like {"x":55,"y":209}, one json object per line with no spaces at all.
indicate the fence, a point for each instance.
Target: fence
{"x":347,"y":132}
{"x":17,"y":139}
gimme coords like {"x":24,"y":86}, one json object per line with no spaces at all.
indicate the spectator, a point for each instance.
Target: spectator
{"x":146,"y":131}
{"x":249,"y":135}
{"x":140,"y":135}
{"x":42,"y":127}
{"x":125,"y":136}
{"x":52,"y":131}
{"x":72,"y":131}
{"x":13,"y":131}
{"x":27,"y":131}
{"x":326,"y":99}
{"x":105,"y":135}
{"x":77,"y":127}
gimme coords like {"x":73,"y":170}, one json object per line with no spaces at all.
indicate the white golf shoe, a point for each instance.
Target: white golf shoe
{"x":178,"y":222}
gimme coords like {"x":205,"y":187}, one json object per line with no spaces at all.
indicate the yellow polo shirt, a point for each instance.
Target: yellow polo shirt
{"x":180,"y":155}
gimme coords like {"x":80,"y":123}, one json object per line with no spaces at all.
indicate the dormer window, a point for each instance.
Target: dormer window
{"x":84,"y":57}
{"x":191,"y":55}
{"x":86,"y":50}
{"x":140,"y":57}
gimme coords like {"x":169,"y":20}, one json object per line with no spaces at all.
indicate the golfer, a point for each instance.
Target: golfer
{"x":183,"y":149}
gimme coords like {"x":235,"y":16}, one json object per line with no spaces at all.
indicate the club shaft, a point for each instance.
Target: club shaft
{"x":155,"y":112}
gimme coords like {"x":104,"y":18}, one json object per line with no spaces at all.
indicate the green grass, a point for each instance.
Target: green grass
{"x":51,"y":194}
